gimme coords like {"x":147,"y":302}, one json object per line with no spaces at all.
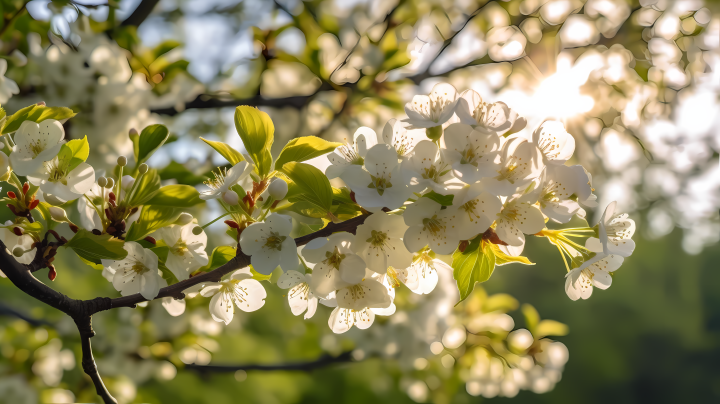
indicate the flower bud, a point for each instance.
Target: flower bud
{"x":102,"y":181}
{"x":231,"y":197}
{"x":110,"y":183}
{"x":58,"y":214}
{"x":122,"y":161}
{"x":143,"y":168}
{"x":184,"y":219}
{"x":133,"y":132}
{"x":41,"y":103}
{"x":197,"y":230}
{"x":278,"y":189}
{"x":18,"y":252}
{"x":520,"y":340}
{"x":434,"y":133}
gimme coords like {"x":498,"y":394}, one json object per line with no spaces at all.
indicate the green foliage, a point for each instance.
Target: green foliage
{"x":225,"y":150}
{"x":94,"y":248}
{"x":178,"y":195}
{"x":444,"y":200}
{"x":148,"y":186}
{"x":532,"y":317}
{"x":257,"y":133}
{"x":181,"y":174}
{"x":35,"y":113}
{"x":315,"y":186}
{"x":149,"y":141}
{"x":500,"y":302}
{"x":152,"y":218}
{"x":547,"y":328}
{"x":304,"y":148}
{"x":475,"y":264}
{"x":73,"y":153}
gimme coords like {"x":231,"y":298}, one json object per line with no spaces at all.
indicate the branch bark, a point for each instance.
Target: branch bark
{"x":322,"y":361}
{"x":81,"y":311}
{"x":141,"y":13}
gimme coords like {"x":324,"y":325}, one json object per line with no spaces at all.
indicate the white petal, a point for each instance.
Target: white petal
{"x":312,"y":306}
{"x":297,"y":297}
{"x":221,"y":309}
{"x":173,"y":306}
{"x":254,"y":297}
{"x":210,"y":290}
{"x":352,"y":269}
{"x":290,"y":279}
{"x":341,"y":320}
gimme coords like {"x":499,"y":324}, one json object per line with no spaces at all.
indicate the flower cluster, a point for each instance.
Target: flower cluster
{"x":455,"y":188}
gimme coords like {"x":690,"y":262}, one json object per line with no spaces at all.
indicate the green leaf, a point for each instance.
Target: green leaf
{"x":35,"y":113}
{"x":503,"y":259}
{"x":220,"y":256}
{"x":151,"y":138}
{"x":93,"y":248}
{"x":73,"y":153}
{"x":151,"y":219}
{"x":314,"y":184}
{"x":44,"y":209}
{"x":92,"y":265}
{"x":532,"y":318}
{"x":304,"y":148}
{"x":178,"y":195}
{"x":257,"y":133}
{"x":550,"y":328}
{"x":181,"y":174}
{"x":474,"y":265}
{"x":260,"y":277}
{"x":444,"y":200}
{"x":225,"y":150}
{"x":148,"y":186}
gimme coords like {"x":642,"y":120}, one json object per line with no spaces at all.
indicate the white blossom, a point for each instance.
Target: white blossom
{"x":473,"y":153}
{"x":57,"y":179}
{"x":381,"y":181}
{"x":224,"y":180}
{"x":247,"y":294}
{"x":269,"y":244}
{"x":477,"y":209}
{"x":379,"y":242}
{"x":341,"y":320}
{"x":558,"y":185}
{"x":336,"y":263}
{"x":432,"y":226}
{"x":518,"y":217}
{"x":186,"y":250}
{"x":554,"y":142}
{"x":299,"y":296}
{"x":368,"y":293}
{"x":430,"y":169}
{"x":615,"y":231}
{"x":396,"y":135}
{"x":520,"y":163}
{"x":435,"y":109}
{"x":136,"y":273}
{"x":495,"y":117}
{"x":351,"y":154}
{"x":8,"y":87}
{"x":594,"y":272}
{"x":36,"y":143}
{"x":12,"y":241}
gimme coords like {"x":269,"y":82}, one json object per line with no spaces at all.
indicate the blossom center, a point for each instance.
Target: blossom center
{"x":433,"y":225}
{"x":218,"y":180}
{"x":378,"y":239}
{"x":349,"y":152}
{"x":275,"y":241}
{"x":334,"y":259}
{"x":513,"y":170}
{"x":380,"y":184}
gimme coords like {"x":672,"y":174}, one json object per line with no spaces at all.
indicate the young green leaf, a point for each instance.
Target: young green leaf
{"x":304,"y":148}
{"x":35,"y":113}
{"x":178,"y":196}
{"x":220,"y":256}
{"x":94,"y":248}
{"x":73,"y":153}
{"x":151,"y":138}
{"x":474,"y":265}
{"x":552,"y":328}
{"x":148,"y":186}
{"x":314,"y":184}
{"x":151,"y":219}
{"x":532,"y":317}
{"x":225,"y":150}
{"x":444,"y":200}
{"x":257,"y":133}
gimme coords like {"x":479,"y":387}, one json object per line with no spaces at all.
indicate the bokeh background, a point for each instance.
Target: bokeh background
{"x":636,"y":83}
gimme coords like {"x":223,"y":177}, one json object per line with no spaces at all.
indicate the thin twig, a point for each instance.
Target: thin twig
{"x":140,"y":13}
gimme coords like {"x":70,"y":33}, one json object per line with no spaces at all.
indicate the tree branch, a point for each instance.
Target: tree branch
{"x":81,"y":311}
{"x":322,"y":361}
{"x":142,"y":12}
{"x":6,"y":310}
{"x":204,"y":101}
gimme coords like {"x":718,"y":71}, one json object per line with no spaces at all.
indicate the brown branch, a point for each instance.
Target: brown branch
{"x":142,"y":12}
{"x":205,"y":101}
{"x":10,"y":21}
{"x":322,"y":361}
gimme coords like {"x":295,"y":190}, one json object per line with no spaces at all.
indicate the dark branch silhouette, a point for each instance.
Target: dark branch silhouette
{"x":321,"y":362}
{"x":141,"y":13}
{"x":6,"y":310}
